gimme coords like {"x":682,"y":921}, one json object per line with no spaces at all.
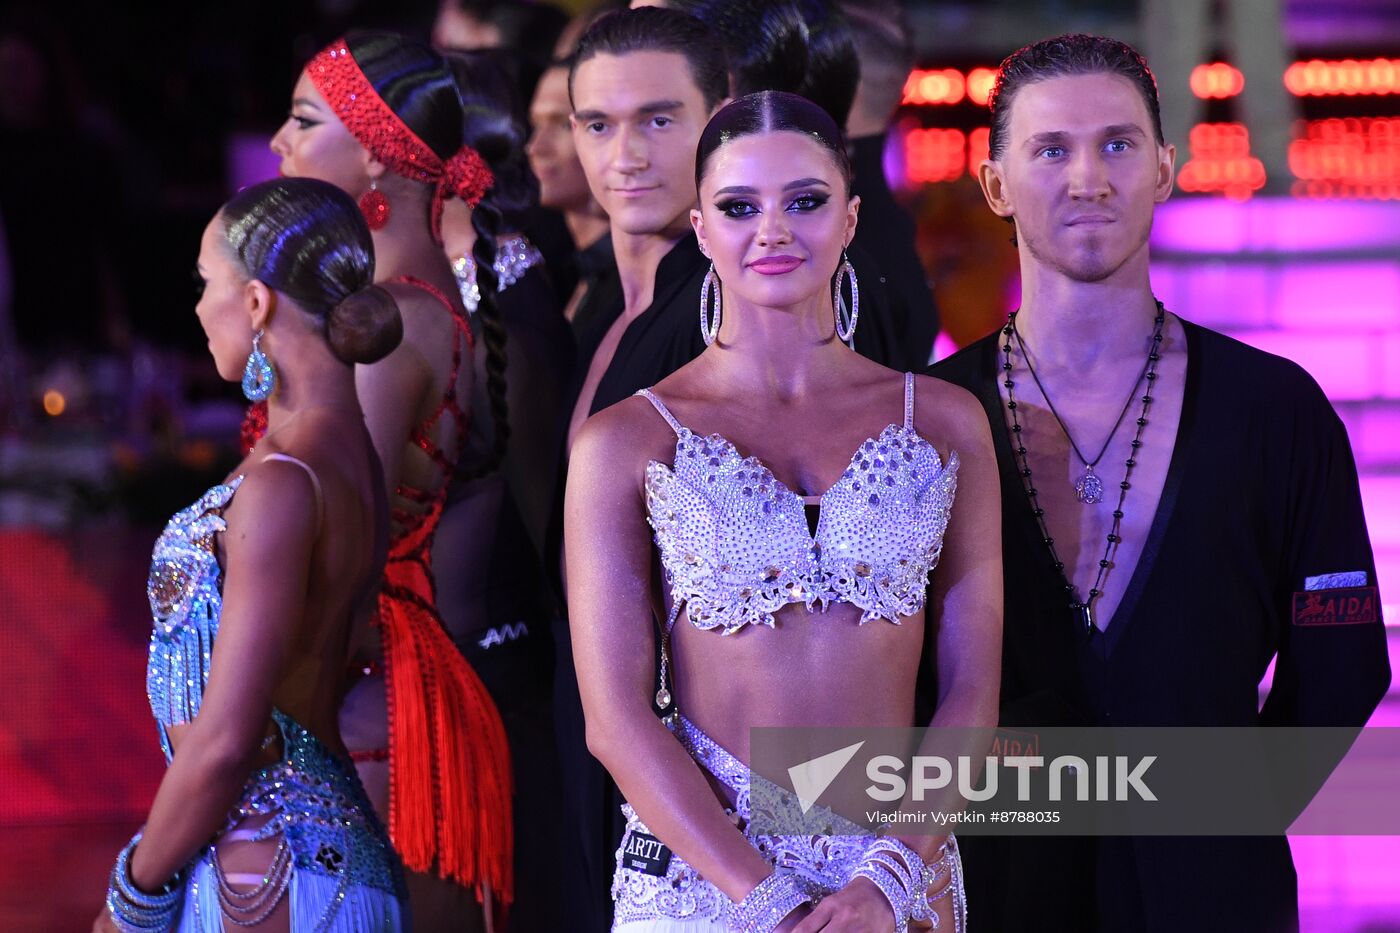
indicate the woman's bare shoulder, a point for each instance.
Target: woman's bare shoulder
{"x":623,"y":436}
{"x":947,"y":413}
{"x":275,"y":503}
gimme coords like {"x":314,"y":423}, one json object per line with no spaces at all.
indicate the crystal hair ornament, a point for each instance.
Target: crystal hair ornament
{"x":515,"y":256}
{"x":370,"y":120}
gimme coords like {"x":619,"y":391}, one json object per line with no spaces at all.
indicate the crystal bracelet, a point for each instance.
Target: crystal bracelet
{"x":949,"y":862}
{"x":133,"y":910}
{"x":895,"y":891}
{"x":904,"y":878}
{"x":768,"y":904}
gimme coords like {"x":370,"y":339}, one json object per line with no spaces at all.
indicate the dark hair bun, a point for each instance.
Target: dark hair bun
{"x":365,"y":327}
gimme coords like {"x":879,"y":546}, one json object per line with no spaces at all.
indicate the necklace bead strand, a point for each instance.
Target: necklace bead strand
{"x":1084,"y":609}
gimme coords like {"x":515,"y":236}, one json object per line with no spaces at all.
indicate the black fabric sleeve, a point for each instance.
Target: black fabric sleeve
{"x":1332,"y":668}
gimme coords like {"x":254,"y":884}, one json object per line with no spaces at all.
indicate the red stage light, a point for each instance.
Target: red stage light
{"x":1348,"y":158}
{"x":1216,"y":81}
{"x":1348,"y":77}
{"x":1220,"y":162}
{"x":977,"y":149}
{"x":934,"y":86}
{"x":935,"y":155}
{"x":980,"y":82}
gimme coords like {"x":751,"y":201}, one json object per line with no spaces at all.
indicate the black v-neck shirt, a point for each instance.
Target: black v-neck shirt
{"x":1261,"y":494}
{"x":661,"y":339}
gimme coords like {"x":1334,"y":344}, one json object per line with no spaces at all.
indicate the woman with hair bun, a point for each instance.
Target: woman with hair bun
{"x":379,"y":116}
{"x":256,"y":590}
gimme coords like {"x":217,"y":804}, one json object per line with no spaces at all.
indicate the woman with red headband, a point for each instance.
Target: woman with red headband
{"x":379,"y":115}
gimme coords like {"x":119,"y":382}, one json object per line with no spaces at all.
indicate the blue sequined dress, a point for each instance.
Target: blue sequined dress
{"x":333,"y":862}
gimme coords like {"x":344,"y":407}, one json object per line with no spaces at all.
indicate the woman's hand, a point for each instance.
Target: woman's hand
{"x":859,"y":907}
{"x":104,"y":924}
{"x":793,"y":920}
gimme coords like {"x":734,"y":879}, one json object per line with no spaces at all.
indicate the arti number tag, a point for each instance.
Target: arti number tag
{"x":645,"y":853}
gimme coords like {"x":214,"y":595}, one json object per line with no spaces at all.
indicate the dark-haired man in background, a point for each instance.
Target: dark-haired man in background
{"x":588,"y":258}
{"x":643,"y":85}
{"x":1157,"y":553}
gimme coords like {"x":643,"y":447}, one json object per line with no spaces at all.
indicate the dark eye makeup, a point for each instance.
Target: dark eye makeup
{"x":739,"y":207}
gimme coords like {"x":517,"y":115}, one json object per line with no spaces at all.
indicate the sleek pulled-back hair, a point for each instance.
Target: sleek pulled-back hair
{"x":656,"y":29}
{"x":805,"y":47}
{"x":771,"y":112}
{"x":416,"y":84}
{"x":1062,"y":56}
{"x":308,"y":240}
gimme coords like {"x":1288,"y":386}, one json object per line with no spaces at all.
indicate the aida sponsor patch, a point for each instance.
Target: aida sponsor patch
{"x":1342,"y":605}
{"x":645,"y":853}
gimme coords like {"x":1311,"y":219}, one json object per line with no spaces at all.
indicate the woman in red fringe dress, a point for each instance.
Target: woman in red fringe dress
{"x":378,"y":115}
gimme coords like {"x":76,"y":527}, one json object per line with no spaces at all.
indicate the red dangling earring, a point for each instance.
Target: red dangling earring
{"x":375,"y":207}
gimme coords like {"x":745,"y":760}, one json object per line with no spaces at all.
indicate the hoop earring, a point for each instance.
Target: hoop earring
{"x":709,"y":323}
{"x":259,"y":378}
{"x":846,"y":322}
{"x":375,"y":206}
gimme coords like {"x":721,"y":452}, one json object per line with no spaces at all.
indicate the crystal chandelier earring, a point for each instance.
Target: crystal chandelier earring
{"x":375,"y":206}
{"x":709,"y":322}
{"x":846,"y":318}
{"x":259,"y":378}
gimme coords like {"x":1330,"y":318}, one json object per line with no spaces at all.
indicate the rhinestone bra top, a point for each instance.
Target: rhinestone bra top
{"x":186,"y":596}
{"x":734,"y":540}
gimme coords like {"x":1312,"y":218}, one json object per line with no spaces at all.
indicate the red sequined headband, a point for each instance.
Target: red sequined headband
{"x":340,"y":81}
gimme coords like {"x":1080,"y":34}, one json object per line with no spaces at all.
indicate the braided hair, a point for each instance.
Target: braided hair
{"x":489,"y":127}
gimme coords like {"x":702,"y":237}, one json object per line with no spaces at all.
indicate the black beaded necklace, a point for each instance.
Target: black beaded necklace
{"x":1084,"y":609}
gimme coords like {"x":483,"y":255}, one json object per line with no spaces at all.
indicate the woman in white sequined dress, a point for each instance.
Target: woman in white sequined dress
{"x":794,"y":571}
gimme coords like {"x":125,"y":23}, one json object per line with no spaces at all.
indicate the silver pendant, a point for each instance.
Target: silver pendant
{"x":1089,"y":488}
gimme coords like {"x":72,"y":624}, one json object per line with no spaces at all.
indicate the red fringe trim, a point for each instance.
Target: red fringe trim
{"x":449,"y":762}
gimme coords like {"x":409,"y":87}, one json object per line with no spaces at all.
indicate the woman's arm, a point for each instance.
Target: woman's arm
{"x":966,"y":599}
{"x":966,"y":593}
{"x":267,"y":549}
{"x":966,"y":606}
{"x":609,"y":557}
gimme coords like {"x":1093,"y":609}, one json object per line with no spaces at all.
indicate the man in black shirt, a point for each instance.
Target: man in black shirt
{"x":642,"y":89}
{"x":1172,"y":501}
{"x":643,"y":85}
